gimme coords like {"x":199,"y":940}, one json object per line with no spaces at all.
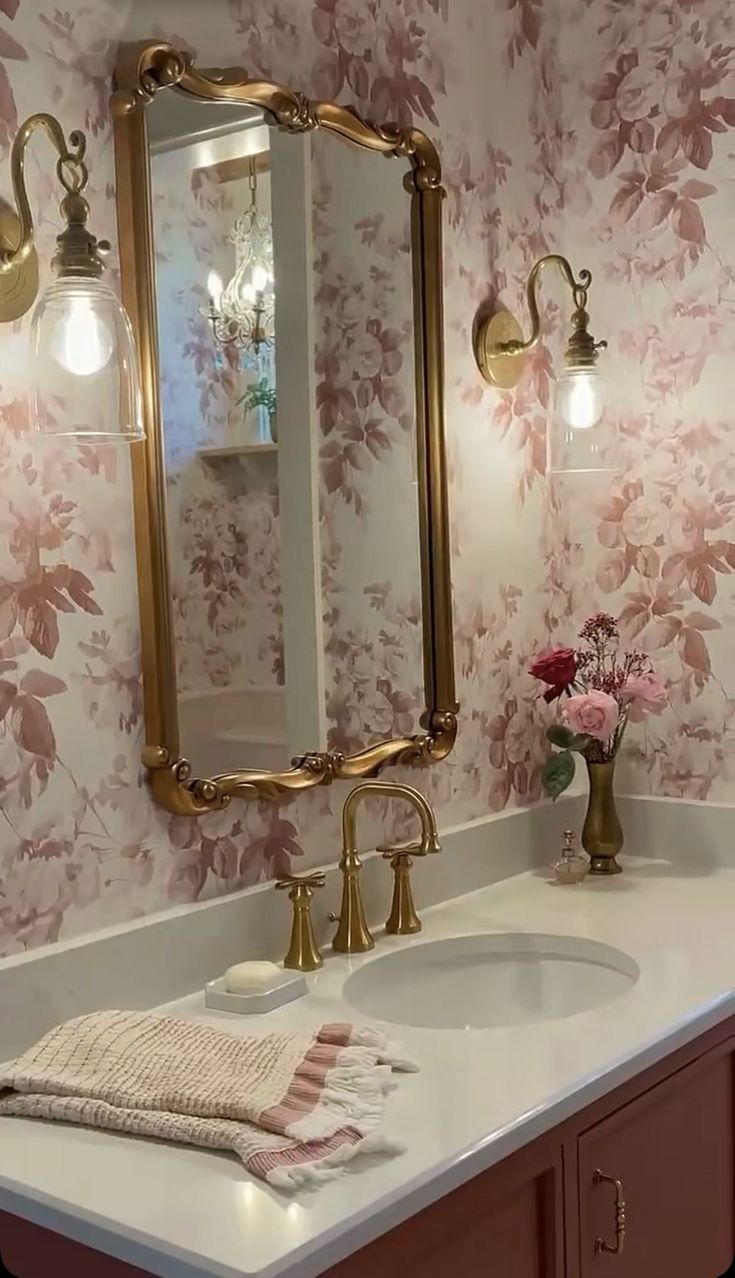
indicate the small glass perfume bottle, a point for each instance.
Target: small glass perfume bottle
{"x":572,"y":866}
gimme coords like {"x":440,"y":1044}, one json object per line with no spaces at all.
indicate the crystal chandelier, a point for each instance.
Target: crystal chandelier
{"x":242,"y":312}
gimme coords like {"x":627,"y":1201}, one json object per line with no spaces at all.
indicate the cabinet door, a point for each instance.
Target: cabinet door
{"x":507,"y":1223}
{"x":671,"y":1154}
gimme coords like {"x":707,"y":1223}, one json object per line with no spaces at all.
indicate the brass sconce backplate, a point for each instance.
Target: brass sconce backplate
{"x":499,"y":367}
{"x":19,"y":280}
{"x":501,"y":350}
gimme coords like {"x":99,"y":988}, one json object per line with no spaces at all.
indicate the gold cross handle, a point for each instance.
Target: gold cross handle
{"x":303,"y":953}
{"x":403,"y":919}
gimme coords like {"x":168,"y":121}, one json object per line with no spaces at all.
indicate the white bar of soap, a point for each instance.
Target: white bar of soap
{"x":252,"y":978}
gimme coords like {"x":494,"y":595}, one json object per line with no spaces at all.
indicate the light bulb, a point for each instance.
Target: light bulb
{"x":81,"y":341}
{"x":260,"y":279}
{"x":215,"y":288}
{"x":579,"y":398}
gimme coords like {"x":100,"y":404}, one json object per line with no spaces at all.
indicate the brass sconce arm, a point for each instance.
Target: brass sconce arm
{"x":71,"y":155}
{"x":578,"y":289}
{"x":500,"y":347}
{"x":78,"y":252}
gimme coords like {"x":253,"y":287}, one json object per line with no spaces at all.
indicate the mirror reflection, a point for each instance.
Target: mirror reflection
{"x":285,"y":329}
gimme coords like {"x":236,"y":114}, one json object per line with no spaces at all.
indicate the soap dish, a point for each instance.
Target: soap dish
{"x":292,"y":985}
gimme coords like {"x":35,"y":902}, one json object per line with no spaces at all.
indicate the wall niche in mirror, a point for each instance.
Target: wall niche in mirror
{"x":297,"y":463}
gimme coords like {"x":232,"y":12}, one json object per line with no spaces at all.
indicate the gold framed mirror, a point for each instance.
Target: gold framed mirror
{"x":146,"y":74}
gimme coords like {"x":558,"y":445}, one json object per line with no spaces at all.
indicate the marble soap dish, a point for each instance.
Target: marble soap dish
{"x":282,"y":988}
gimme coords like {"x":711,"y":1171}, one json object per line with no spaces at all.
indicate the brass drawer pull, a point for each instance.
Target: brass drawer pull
{"x":615,"y":1249}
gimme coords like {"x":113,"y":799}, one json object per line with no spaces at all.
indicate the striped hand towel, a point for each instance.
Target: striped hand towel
{"x":294,"y":1107}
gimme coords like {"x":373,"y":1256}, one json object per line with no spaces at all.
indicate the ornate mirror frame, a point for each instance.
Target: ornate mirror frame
{"x":143,"y":71}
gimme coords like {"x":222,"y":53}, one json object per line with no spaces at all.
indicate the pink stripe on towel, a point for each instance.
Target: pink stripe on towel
{"x":268,"y":1165}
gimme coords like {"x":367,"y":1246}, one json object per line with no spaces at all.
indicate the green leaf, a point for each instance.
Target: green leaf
{"x":558,"y":773}
{"x":259,"y":394}
{"x":566,"y":739}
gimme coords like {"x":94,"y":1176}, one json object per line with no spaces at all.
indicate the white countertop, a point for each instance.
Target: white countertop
{"x":481,"y":1094}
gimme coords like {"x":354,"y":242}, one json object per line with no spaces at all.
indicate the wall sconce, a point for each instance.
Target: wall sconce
{"x":575,"y":437}
{"x":84,"y":377}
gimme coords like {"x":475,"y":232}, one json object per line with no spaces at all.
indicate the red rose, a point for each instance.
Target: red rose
{"x":558,"y":668}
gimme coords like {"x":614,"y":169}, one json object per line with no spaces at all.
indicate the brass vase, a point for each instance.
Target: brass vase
{"x":602,"y":833}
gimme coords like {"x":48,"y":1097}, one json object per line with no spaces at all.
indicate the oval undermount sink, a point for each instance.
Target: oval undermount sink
{"x":490,"y":980}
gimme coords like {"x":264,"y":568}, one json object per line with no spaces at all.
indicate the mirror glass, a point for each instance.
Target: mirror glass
{"x":285,"y":329}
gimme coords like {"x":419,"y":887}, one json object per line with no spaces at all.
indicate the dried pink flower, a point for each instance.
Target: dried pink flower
{"x":599,"y":628}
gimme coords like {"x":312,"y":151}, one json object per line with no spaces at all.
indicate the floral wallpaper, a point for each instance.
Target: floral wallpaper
{"x":618,"y":150}
{"x":648,"y":198}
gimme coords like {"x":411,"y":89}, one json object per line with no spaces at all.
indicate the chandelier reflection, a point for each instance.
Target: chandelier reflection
{"x":241,"y":313}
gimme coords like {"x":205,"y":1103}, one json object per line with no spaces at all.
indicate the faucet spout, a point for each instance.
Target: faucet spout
{"x":353,"y":935}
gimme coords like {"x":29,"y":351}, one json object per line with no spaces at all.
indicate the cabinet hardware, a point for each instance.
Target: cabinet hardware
{"x":615,"y":1248}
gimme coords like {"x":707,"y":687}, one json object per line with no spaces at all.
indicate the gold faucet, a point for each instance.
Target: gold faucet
{"x":353,"y":934}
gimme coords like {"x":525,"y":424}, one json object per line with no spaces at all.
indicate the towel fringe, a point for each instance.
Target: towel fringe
{"x":332,"y":1166}
{"x":352,"y":1096}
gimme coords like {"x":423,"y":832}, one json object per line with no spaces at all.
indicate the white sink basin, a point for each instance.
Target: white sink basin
{"x":480,"y":982}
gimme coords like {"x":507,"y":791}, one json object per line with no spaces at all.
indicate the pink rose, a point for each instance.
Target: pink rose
{"x":644,"y":694}
{"x":594,"y":713}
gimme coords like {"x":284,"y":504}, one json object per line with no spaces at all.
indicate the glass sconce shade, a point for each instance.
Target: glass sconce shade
{"x":85,"y":374}
{"x":579,"y":439}
{"x":83,"y":363}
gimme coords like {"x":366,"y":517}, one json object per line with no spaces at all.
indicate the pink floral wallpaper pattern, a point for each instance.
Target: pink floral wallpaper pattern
{"x":649,"y":203}
{"x":616,"y":150}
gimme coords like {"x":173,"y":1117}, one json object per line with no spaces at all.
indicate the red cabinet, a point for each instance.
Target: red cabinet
{"x":668,"y":1189}
{"x":508,"y":1223}
{"x":30,"y":1252}
{"x":639,"y":1185}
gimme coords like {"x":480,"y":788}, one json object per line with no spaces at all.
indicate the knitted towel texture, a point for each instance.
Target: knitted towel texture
{"x":295,"y":1108}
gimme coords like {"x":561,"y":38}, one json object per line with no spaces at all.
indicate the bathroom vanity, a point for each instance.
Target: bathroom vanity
{"x":561,"y":1145}
{"x":644,"y":1178}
